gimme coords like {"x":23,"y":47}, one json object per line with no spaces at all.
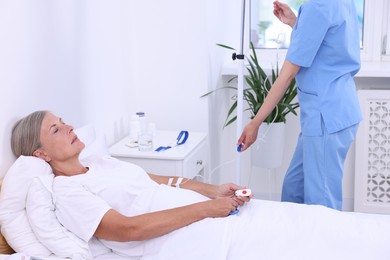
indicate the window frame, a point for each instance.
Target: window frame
{"x":372,"y":31}
{"x":375,"y":28}
{"x":386,"y":34}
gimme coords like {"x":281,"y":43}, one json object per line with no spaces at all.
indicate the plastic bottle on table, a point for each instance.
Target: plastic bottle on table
{"x":134,"y":128}
{"x":145,"y":139}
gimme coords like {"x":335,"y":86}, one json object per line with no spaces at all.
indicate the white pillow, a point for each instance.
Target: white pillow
{"x":13,"y":218}
{"x":45,"y":225}
{"x":14,"y":222}
{"x":95,"y":143}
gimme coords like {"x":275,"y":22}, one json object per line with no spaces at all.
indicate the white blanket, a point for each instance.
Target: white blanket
{"x":276,"y":230}
{"x":272,"y":231}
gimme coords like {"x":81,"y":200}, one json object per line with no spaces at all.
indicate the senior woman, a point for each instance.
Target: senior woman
{"x":113,"y":204}
{"x":109,"y":199}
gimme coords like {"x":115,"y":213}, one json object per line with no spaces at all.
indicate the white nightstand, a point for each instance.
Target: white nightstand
{"x":187,"y":160}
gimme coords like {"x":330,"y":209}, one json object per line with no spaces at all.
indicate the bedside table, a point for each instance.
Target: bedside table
{"x":187,"y":160}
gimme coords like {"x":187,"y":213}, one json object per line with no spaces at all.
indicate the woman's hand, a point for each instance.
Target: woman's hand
{"x":248,"y":136}
{"x":284,"y":13}
{"x":220,"y":207}
{"x":228,"y":190}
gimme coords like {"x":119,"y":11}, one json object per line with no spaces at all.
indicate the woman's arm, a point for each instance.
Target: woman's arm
{"x":209,"y":190}
{"x":205,"y":189}
{"x":117,"y":227}
{"x":86,"y":215}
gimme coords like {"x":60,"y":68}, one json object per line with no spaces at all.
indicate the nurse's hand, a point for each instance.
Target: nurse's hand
{"x":284,"y":13}
{"x":248,"y":136}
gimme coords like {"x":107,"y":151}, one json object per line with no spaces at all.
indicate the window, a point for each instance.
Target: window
{"x":271,"y":38}
{"x":376,"y":28}
{"x":267,"y":32}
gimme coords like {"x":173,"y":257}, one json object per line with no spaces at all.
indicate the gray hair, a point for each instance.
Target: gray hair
{"x":25,"y":137}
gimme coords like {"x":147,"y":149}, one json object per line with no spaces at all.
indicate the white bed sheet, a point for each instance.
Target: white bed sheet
{"x":277,"y":230}
{"x":108,"y":256}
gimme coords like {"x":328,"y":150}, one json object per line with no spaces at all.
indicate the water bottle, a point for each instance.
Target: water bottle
{"x":145,"y":139}
{"x":134,"y":128}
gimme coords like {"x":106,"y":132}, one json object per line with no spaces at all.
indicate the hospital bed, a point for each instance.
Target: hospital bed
{"x":38,"y":232}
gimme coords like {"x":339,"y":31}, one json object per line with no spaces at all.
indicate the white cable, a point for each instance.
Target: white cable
{"x":263,"y":136}
{"x":278,"y":39}
{"x":269,"y":184}
{"x":219,"y":166}
{"x":278,"y":42}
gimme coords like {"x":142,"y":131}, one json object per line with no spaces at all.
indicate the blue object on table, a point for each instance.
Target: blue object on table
{"x":181,"y":139}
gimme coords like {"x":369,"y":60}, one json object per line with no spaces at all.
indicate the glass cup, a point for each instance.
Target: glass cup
{"x":145,"y":142}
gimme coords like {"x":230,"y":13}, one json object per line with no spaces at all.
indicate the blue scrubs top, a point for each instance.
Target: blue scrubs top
{"x":325,"y":44}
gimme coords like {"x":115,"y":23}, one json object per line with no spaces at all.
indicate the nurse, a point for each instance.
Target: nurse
{"x":324,"y":55}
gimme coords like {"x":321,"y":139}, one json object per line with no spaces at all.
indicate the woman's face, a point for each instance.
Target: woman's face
{"x":58,"y":140}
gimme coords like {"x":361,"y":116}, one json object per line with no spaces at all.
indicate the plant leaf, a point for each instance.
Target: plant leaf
{"x":225,"y":46}
{"x":221,"y":88}
{"x":259,"y":84}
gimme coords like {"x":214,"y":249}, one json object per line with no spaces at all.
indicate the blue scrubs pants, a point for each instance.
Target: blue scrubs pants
{"x":316,"y":170}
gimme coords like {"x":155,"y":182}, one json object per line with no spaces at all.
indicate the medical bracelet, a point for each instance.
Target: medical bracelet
{"x":177,"y":184}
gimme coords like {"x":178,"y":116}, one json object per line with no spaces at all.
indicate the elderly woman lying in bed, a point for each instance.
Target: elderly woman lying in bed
{"x":135,"y":214}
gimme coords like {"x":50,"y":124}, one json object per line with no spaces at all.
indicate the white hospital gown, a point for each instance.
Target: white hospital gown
{"x":82,"y":200}
{"x":261,"y":230}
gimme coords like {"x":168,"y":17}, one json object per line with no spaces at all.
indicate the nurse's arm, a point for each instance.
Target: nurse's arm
{"x":117,"y":227}
{"x":279,"y":88}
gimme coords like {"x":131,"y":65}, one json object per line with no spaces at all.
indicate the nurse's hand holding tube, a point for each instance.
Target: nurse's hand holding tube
{"x":284,"y":13}
{"x":248,"y":136}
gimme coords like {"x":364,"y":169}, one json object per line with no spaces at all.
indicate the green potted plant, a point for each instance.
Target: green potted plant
{"x":258,"y":84}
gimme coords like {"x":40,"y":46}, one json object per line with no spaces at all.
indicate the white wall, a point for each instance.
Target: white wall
{"x":170,"y":63}
{"x":96,"y":62}
{"x":39,"y":66}
{"x":70,"y":57}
